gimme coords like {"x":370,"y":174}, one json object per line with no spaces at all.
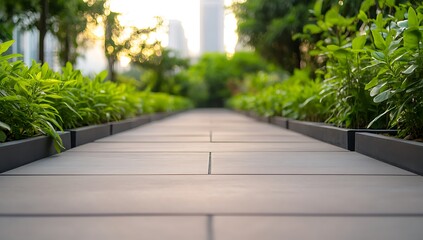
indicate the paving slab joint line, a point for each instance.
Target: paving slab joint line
{"x":210,"y":229}
{"x":211,"y":136}
{"x":209,"y":165}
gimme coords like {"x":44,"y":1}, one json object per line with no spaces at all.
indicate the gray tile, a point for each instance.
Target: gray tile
{"x":205,"y":147}
{"x":210,"y":194}
{"x":154,"y":138}
{"x":140,"y":131}
{"x":318,"y":228}
{"x":88,"y":228}
{"x":299,"y":163}
{"x":118,"y":163}
{"x":253,"y":132}
{"x":262,"y":138}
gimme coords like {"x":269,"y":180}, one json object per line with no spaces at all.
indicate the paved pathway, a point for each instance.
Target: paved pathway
{"x":212,"y":175}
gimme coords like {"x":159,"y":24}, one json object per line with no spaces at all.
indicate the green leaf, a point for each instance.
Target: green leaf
{"x":410,"y":69}
{"x":102,"y":75}
{"x":10,"y":56}
{"x":383,"y":96}
{"x":379,"y":56}
{"x":5,"y":46}
{"x":312,"y":28}
{"x":359,"y":42}
{"x":332,"y":47}
{"x":3,"y":136}
{"x":366,"y":5}
{"x":375,"y":91}
{"x":379,"y":21}
{"x":318,"y":8}
{"x":4,"y":126}
{"x":378,"y":39}
{"x":363,"y":16}
{"x":390,"y":3}
{"x":378,"y":117}
{"x":412,"y":18}
{"x":332,"y":17}
{"x":371,"y":84}
{"x":412,"y":37}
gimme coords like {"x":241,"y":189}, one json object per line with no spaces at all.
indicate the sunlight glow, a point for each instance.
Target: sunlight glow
{"x":141,"y":13}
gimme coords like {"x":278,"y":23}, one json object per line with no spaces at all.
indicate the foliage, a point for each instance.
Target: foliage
{"x":296,"y":97}
{"x":65,"y":19}
{"x":397,"y":60}
{"x":268,"y":26}
{"x":36,"y":100}
{"x":216,"y":77}
{"x":164,"y":67}
{"x":371,"y":64}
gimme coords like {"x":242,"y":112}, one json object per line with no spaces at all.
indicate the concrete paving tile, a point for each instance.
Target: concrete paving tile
{"x":318,"y":228}
{"x":168,"y":132}
{"x":206,"y":147}
{"x":196,"y":128}
{"x":105,"y":228}
{"x":261,"y":138}
{"x":135,"y":138}
{"x":299,"y":163}
{"x":118,"y":163}
{"x":211,"y":194}
{"x":253,"y":132}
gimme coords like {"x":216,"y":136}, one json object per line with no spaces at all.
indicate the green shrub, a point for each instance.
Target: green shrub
{"x":397,"y":60}
{"x":26,"y":100}
{"x":38,"y":101}
{"x":296,"y":97}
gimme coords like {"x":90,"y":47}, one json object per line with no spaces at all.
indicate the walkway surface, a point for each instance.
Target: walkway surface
{"x":212,"y":175}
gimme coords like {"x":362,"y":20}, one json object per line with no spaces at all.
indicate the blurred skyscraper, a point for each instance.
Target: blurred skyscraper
{"x":211,"y":26}
{"x":26,"y":43}
{"x":177,"y":39}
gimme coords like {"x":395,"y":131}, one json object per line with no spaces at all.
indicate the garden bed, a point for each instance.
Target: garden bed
{"x":20,"y":152}
{"x":88,"y":134}
{"x":401,"y":153}
{"x":120,"y":126}
{"x":279,"y":121}
{"x":341,"y":137}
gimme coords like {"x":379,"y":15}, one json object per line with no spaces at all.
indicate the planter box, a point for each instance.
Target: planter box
{"x":341,"y":137}
{"x":401,"y":153}
{"x":17,"y":153}
{"x":141,"y":120}
{"x":158,"y":116}
{"x":279,"y":121}
{"x":120,"y":126}
{"x":88,"y":134}
{"x":258,"y":117}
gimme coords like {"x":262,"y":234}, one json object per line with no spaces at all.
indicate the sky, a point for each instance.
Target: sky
{"x":138,"y":12}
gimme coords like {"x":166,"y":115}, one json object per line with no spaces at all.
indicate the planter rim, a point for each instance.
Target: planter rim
{"x":28,"y":139}
{"x":391,"y":138}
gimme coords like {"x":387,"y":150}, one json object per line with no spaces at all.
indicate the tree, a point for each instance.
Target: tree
{"x":269,"y":26}
{"x":165,"y":64}
{"x":66,"y":19}
{"x":74,"y":19}
{"x":138,"y":44}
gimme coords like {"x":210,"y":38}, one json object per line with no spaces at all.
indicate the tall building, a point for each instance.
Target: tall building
{"x":212,"y":23}
{"x":26,"y":43}
{"x":177,"y":39}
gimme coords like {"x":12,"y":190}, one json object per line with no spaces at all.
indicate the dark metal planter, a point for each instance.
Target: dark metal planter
{"x":341,"y":137}
{"x":279,"y":121}
{"x":17,"y":153}
{"x":401,"y":153}
{"x":88,"y":134}
{"x":120,"y":126}
{"x":259,"y":117}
